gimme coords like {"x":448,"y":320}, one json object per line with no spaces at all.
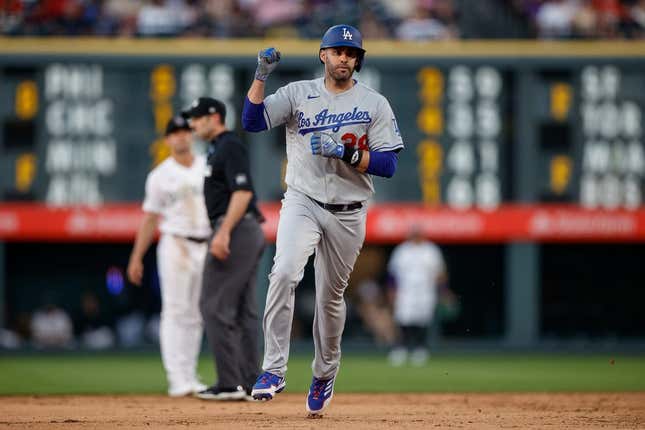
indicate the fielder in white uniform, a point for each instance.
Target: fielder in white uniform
{"x":417,"y":269}
{"x":174,"y":201}
{"x":339,"y":132}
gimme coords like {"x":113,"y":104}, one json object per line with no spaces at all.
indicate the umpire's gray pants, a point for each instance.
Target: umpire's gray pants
{"x":336,"y":238}
{"x":228,"y":306}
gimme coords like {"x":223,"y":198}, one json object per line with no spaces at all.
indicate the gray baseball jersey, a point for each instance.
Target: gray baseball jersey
{"x":359,"y":117}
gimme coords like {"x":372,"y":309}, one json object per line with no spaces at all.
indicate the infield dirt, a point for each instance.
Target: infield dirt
{"x":360,"y":411}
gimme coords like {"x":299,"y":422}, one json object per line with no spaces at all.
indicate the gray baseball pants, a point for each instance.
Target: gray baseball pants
{"x":336,"y":238}
{"x":229,"y":307}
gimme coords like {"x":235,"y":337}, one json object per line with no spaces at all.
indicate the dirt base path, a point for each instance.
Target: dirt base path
{"x":360,"y":411}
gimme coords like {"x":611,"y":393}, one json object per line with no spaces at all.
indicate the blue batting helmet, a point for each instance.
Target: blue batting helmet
{"x":344,"y":35}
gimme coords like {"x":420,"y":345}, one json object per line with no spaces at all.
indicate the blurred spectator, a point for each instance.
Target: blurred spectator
{"x":318,"y":15}
{"x":609,"y":18}
{"x":606,"y":19}
{"x":270,"y":13}
{"x":401,"y":8}
{"x":11,"y":16}
{"x":159,"y":18}
{"x":554,"y":18}
{"x":431,"y":19}
{"x":118,"y":17}
{"x":194,"y":20}
{"x":78,"y":18}
{"x":9,"y":339}
{"x":375,"y":312}
{"x":51,"y":327}
{"x":229,"y":18}
{"x":584,"y":21}
{"x":371,"y":27}
{"x":130,"y":329}
{"x":418,"y":270}
{"x":93,"y":326}
{"x":152,"y":328}
{"x":635,"y":19}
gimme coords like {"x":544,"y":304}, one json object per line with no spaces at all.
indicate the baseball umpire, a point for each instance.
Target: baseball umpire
{"x":228,"y":303}
{"x":174,"y":201}
{"x":339,"y":133}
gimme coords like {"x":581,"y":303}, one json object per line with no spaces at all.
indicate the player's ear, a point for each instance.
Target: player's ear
{"x":323,"y":55}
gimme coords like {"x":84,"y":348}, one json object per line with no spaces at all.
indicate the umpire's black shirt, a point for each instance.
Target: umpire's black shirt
{"x":227,"y":171}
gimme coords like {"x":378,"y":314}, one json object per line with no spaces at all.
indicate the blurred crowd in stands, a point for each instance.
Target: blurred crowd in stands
{"x":92,"y":323}
{"x":377,"y":19}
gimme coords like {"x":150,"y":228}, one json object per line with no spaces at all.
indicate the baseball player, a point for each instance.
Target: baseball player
{"x":338,"y":133}
{"x":174,"y":201}
{"x":418,"y":269}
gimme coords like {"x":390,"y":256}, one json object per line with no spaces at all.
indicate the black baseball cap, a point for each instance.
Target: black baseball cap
{"x":205,"y":106}
{"x":177,"y":123}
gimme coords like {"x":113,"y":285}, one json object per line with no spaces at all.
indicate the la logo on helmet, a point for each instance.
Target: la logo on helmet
{"x":346,"y":34}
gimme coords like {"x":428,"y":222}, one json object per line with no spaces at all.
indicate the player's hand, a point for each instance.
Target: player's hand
{"x":325,"y":145}
{"x":135,"y":271}
{"x":268,"y":60}
{"x":219,"y":245}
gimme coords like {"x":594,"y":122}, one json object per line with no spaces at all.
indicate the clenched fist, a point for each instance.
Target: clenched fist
{"x":268,"y":60}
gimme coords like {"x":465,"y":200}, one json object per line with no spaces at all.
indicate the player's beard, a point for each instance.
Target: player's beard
{"x":341,"y":74}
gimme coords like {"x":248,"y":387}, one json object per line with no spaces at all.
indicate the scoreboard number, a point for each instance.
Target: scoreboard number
{"x":613,"y":163}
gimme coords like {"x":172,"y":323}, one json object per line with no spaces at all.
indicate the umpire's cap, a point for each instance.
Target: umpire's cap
{"x":344,"y":35}
{"x":205,"y":106}
{"x":177,"y":123}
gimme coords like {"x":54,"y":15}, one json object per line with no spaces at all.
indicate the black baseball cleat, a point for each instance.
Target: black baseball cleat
{"x":249,"y":394}
{"x":222,"y":393}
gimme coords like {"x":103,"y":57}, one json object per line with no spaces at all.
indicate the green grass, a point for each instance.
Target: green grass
{"x":142,"y":373}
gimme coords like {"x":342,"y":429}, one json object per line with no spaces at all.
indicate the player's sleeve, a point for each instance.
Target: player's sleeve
{"x":154,"y":199}
{"x":384,"y":134}
{"x":253,"y":116}
{"x":237,"y":168}
{"x":278,"y":107}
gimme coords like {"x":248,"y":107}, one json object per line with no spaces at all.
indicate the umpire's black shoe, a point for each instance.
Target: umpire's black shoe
{"x":222,"y":393}
{"x":249,"y":394}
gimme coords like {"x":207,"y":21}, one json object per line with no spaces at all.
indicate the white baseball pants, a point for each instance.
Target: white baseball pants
{"x":181,"y":264}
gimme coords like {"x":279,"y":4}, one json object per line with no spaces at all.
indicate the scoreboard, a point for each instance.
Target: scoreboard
{"x":465,"y":144}
{"x":87,"y":132}
{"x":487,"y":126}
{"x":611,"y":160}
{"x":584,"y":122}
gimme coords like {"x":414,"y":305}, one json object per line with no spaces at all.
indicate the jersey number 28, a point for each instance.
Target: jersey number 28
{"x":349,"y":140}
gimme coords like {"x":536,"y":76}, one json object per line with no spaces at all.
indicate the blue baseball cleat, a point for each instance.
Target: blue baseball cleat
{"x":267,"y":386}
{"x":320,"y":393}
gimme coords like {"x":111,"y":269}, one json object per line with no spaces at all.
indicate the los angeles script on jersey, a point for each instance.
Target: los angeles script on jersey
{"x":324,"y":120}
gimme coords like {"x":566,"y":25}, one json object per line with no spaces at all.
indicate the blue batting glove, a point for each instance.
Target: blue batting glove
{"x":316,"y":143}
{"x":268,"y":60}
{"x":325,"y":145}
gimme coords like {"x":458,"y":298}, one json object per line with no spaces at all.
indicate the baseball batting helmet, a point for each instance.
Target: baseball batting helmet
{"x":344,"y":35}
